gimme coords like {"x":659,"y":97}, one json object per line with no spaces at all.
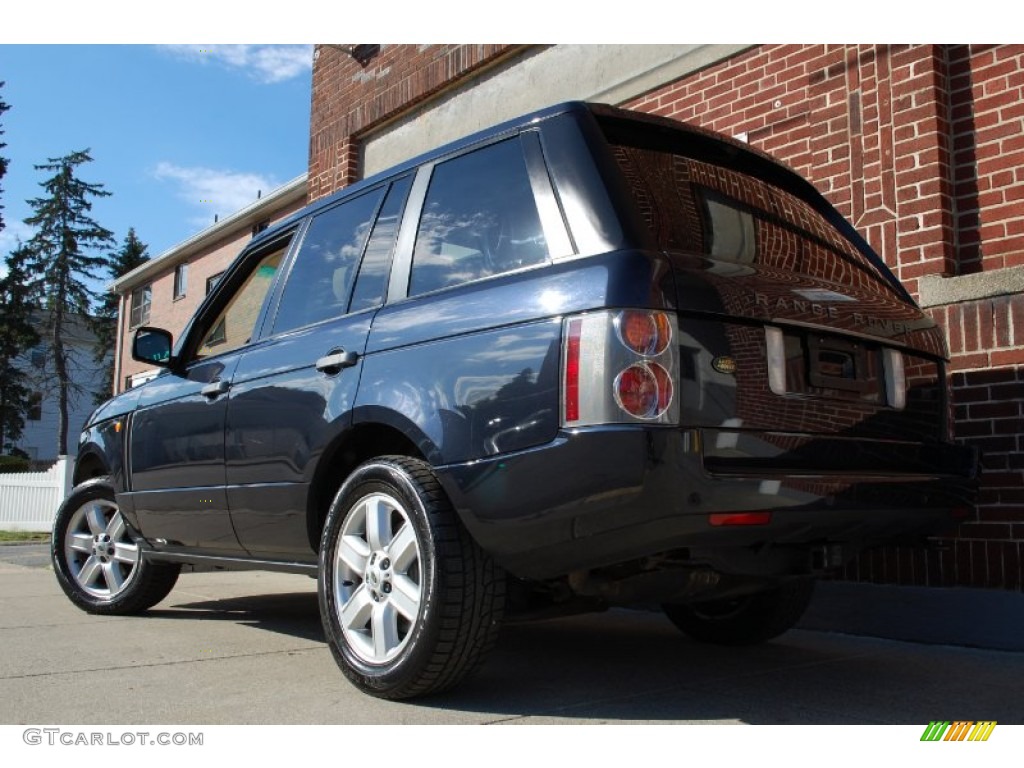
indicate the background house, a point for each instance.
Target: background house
{"x":166,"y":290}
{"x":39,"y":437}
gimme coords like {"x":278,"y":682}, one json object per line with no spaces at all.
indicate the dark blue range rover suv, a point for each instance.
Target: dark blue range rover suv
{"x":585,"y":358}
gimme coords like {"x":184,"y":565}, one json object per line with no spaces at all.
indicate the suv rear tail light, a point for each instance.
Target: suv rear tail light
{"x":646,"y":333}
{"x":619,"y":367}
{"x":572,"y":370}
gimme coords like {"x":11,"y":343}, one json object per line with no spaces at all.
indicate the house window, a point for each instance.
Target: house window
{"x":212,"y":280}
{"x":259,"y":227}
{"x":180,"y":281}
{"x":35,"y":407}
{"x":38,"y":357}
{"x":141,"y":299}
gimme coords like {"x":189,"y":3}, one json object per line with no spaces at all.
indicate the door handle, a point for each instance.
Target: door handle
{"x":216,"y":388}
{"x":335,"y":360}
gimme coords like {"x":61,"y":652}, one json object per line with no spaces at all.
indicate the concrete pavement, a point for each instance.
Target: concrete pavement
{"x":247,"y":647}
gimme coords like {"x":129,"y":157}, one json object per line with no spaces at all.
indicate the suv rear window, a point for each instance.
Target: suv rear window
{"x":699,"y":207}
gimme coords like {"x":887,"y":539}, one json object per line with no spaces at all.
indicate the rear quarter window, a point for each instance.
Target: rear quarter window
{"x":479,"y":219}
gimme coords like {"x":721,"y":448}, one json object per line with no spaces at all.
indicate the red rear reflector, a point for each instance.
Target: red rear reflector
{"x":572,"y":371}
{"x":636,"y":390}
{"x":740,"y":518}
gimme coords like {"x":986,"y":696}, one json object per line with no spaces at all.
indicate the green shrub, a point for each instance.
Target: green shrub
{"x":13,"y":464}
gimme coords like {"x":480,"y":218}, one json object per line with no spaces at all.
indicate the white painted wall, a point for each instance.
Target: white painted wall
{"x":39,"y":438}
{"x":612,"y":74}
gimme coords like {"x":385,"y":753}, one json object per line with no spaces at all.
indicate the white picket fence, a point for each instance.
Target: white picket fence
{"x":29,"y":500}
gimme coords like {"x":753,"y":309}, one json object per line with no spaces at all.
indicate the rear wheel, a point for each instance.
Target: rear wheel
{"x":98,"y":562}
{"x":745,"y":620}
{"x":409,"y":603}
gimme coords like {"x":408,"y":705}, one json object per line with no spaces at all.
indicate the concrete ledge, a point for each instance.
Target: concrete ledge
{"x":976,"y":618}
{"x":534,"y":79}
{"x":935,"y":290}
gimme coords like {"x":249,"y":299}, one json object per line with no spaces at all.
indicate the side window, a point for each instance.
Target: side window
{"x":479,"y":219}
{"x":371,"y":284}
{"x":234,"y":325}
{"x":325,"y":266}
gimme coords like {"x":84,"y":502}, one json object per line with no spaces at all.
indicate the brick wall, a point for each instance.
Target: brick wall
{"x":987,"y":110}
{"x":351,"y":98}
{"x":922,"y":148}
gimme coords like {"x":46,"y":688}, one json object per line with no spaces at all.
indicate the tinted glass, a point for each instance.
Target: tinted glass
{"x":479,"y":219}
{"x":325,"y":266}
{"x":234,"y":325}
{"x":692,"y":205}
{"x":371,"y":284}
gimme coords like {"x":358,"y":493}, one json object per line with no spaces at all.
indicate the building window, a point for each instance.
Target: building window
{"x":35,"y":407}
{"x":180,"y":281}
{"x":38,"y":357}
{"x":211,"y":282}
{"x":259,"y":227}
{"x":141,"y":299}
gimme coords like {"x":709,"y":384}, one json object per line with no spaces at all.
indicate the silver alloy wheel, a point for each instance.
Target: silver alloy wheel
{"x":102,"y":557}
{"x":377,"y":578}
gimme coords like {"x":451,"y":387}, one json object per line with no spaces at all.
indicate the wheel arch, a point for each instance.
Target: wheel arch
{"x":362,"y":442}
{"x":89,"y":466}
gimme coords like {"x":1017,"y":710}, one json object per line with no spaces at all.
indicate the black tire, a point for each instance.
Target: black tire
{"x":410,"y":604}
{"x":98,"y":562}
{"x":746,"y":620}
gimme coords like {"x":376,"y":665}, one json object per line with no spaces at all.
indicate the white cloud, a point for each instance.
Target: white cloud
{"x":14,"y":232}
{"x":266,"y":63}
{"x":215,"y":191}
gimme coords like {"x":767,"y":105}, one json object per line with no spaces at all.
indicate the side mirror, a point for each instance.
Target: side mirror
{"x":153,"y":345}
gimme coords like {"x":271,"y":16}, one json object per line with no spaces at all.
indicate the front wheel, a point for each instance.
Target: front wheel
{"x":409,"y":603}
{"x":98,"y":563}
{"x":744,"y":620}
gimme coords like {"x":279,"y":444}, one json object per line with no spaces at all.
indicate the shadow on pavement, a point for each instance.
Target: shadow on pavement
{"x":635,"y":666}
{"x":294,"y":613}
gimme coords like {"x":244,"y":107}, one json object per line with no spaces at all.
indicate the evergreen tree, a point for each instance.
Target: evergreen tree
{"x":62,"y":257}
{"x":16,"y":335}
{"x":131,"y":255}
{"x":3,"y":160}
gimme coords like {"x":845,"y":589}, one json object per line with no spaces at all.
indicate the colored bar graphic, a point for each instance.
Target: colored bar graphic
{"x":959,"y":730}
{"x":982,"y":730}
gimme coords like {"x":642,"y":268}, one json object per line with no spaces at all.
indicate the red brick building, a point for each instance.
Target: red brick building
{"x":920,"y":146}
{"x":166,"y":290}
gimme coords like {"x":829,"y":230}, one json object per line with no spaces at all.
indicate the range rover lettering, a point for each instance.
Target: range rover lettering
{"x":587,"y":358}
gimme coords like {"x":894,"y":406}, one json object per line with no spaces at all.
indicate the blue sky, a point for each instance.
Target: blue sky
{"x":177,"y":133}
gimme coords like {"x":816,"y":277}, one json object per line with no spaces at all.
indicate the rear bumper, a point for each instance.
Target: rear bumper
{"x":605,"y":495}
